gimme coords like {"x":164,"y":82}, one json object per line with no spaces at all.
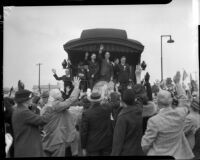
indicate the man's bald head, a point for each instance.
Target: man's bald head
{"x":164,"y":98}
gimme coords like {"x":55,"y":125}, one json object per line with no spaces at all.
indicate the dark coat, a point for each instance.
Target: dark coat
{"x":96,"y":128}
{"x":93,"y":69}
{"x":67,"y":80}
{"x":106,"y":71}
{"x":128,"y":132}
{"x":196,"y":149}
{"x":123,"y":73}
{"x":26,"y":132}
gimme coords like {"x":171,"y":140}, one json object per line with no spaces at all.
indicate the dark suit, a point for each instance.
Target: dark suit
{"x":96,"y":130}
{"x":106,"y":71}
{"x":93,"y":70}
{"x":67,"y":81}
{"x":128,"y":132}
{"x":26,"y":132}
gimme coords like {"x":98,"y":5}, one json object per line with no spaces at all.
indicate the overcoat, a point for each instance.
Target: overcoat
{"x":128,"y":132}
{"x":26,"y":132}
{"x":96,"y":128}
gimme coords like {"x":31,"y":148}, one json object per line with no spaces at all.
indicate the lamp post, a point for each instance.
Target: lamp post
{"x":39,"y":77}
{"x":169,"y":41}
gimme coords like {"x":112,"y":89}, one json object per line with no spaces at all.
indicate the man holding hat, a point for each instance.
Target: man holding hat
{"x":26,"y":127}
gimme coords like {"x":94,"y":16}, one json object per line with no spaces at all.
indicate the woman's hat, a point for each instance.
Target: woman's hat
{"x":22,"y":96}
{"x":95,"y":97}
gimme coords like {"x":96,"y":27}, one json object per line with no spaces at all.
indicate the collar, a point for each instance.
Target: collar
{"x":163,"y":110}
{"x":129,"y":109}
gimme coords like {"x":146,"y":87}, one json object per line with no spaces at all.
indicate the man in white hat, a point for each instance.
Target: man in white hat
{"x":60,"y":131}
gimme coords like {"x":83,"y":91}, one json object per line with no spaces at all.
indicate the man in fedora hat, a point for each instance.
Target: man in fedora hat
{"x":27,"y":139}
{"x":96,"y":128}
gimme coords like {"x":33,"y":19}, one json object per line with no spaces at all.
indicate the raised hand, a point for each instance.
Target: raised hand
{"x":76,"y":82}
{"x":177,"y":77}
{"x":101,"y":47}
{"x":9,"y":141}
{"x":54,"y":71}
{"x":138,"y":70}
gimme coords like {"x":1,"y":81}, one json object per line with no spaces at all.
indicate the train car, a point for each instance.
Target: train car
{"x":114,"y":41}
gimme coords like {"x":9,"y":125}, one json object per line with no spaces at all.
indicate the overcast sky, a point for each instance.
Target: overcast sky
{"x":37,"y":34}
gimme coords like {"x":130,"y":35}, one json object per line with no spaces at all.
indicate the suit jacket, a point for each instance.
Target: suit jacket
{"x":93,"y":68}
{"x":106,"y":68}
{"x":67,"y":80}
{"x":128,"y":132}
{"x":96,"y":128}
{"x":123,"y":73}
{"x":26,"y":132}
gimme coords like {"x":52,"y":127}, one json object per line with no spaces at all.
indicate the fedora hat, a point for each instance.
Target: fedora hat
{"x":22,"y":96}
{"x":95,"y":97}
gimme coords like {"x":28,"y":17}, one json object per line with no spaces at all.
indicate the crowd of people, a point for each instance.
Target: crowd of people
{"x":112,"y":117}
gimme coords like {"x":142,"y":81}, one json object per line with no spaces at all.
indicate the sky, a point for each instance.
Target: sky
{"x":34,"y":35}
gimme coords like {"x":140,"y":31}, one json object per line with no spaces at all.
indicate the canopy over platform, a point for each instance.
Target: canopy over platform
{"x":114,"y":40}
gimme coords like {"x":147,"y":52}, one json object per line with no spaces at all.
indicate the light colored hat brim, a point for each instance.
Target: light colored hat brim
{"x":94,"y":100}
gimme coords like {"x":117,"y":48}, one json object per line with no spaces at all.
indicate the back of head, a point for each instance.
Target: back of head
{"x":164,"y":98}
{"x":128,"y":97}
{"x":55,"y":94}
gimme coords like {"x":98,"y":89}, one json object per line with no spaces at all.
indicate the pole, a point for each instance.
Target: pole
{"x":161,"y":61}
{"x":39,"y":64}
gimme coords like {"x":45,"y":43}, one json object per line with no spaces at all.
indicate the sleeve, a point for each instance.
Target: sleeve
{"x":149,"y":91}
{"x":111,"y":69}
{"x":68,"y":102}
{"x":128,"y":70}
{"x":35,"y":119}
{"x":119,"y":136}
{"x":84,"y":131}
{"x":57,"y":78}
{"x":189,"y":126}
{"x":183,"y":105}
{"x":149,"y":136}
{"x":96,"y":69}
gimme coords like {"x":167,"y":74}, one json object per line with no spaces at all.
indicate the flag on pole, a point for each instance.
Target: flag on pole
{"x":184,"y":75}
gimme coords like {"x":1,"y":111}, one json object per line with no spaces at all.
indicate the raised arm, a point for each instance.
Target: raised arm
{"x":74,"y":96}
{"x":35,"y":119}
{"x":138,"y":72}
{"x":55,"y":75}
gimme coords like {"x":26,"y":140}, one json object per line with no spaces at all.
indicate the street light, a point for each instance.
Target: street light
{"x":169,"y":41}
